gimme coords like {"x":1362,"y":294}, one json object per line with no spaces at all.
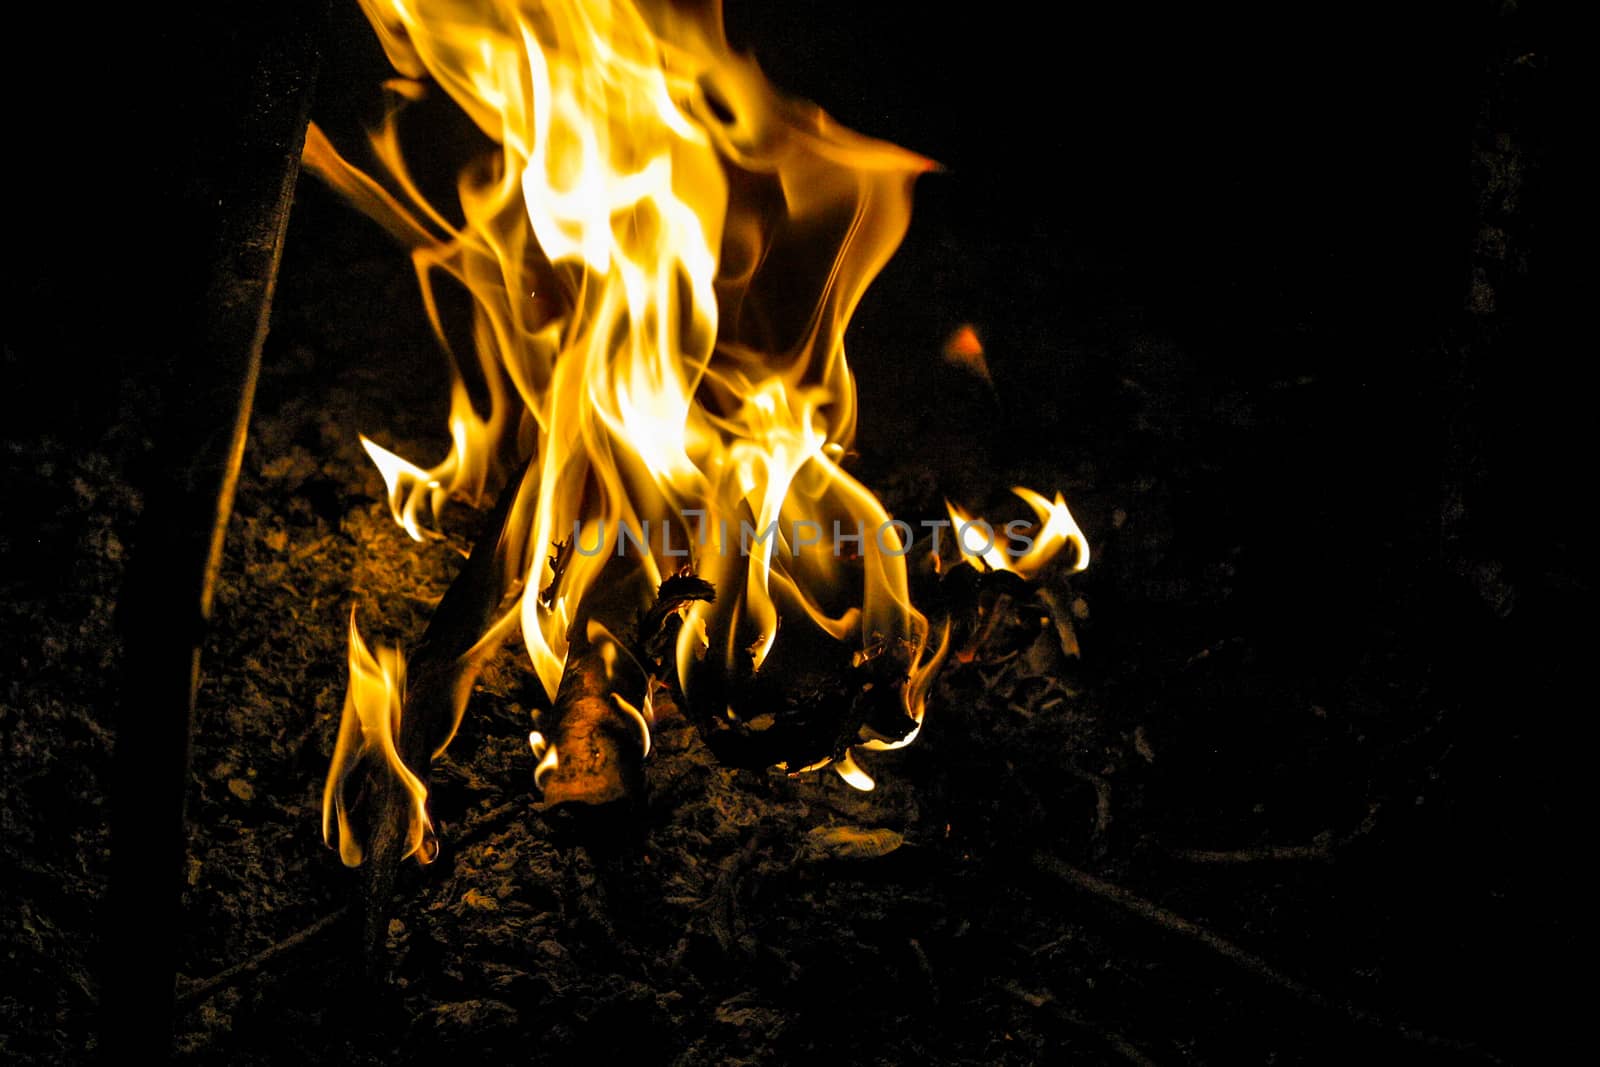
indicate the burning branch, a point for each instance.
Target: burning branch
{"x":594,"y":752}
{"x":379,"y":777}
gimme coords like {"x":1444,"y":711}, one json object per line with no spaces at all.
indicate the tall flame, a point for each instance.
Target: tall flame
{"x":663,"y":254}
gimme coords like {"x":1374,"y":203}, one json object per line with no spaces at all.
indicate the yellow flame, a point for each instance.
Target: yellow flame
{"x":641,"y":719}
{"x":850,"y":771}
{"x":368,"y":732}
{"x":663,"y":254}
{"x":544,"y":753}
{"x":1022,"y":549}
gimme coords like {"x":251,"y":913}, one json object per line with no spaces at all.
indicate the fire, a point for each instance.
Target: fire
{"x":663,"y":255}
{"x":372,"y":708}
{"x":1020,"y":548}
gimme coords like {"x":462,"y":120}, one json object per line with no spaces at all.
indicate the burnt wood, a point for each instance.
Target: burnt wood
{"x":441,"y":670}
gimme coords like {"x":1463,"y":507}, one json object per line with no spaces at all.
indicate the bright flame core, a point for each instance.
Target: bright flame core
{"x":663,"y":255}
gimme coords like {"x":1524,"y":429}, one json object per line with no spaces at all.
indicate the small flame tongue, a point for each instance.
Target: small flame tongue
{"x":368,"y":733}
{"x":1019,"y":547}
{"x":663,"y":256}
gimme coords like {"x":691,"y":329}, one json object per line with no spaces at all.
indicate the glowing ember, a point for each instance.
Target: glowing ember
{"x":963,"y":349}
{"x":663,"y":255}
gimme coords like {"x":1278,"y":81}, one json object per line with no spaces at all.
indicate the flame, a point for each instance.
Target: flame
{"x":641,"y":719}
{"x":848,"y":770}
{"x":369,"y":731}
{"x":545,"y":756}
{"x":1018,"y":547}
{"x":663,"y":254}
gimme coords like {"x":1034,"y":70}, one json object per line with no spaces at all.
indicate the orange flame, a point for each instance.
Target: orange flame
{"x":369,"y":731}
{"x":663,"y":255}
{"x":1018,"y":547}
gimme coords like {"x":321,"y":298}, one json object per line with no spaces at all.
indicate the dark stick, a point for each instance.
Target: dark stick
{"x":1263,"y":854}
{"x":243,"y":187}
{"x":1116,"y":1042}
{"x":1172,"y":921}
{"x":1322,"y":850}
{"x":440,"y":672}
{"x":197,"y":993}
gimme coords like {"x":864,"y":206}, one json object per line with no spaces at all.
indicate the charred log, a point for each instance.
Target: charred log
{"x":599,"y":748}
{"x":808,"y":703}
{"x":597,"y":741}
{"x":812,"y":700}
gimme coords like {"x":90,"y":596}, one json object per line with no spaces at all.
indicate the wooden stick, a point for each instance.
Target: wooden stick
{"x":1175,"y":923}
{"x":245,"y":159}
{"x":1322,"y":850}
{"x":1115,"y":1041}
{"x":440,"y":675}
{"x":598,"y":748}
{"x":197,"y":993}
{"x":1266,"y":853}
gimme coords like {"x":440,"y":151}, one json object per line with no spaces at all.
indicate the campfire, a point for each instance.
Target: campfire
{"x":663,"y":254}
{"x":525,"y":544}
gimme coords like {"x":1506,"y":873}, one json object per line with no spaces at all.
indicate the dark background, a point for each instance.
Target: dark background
{"x":1286,"y":260}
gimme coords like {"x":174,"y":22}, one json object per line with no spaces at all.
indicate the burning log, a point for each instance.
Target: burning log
{"x":595,"y":753}
{"x":592,"y":754}
{"x":808,"y":706}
